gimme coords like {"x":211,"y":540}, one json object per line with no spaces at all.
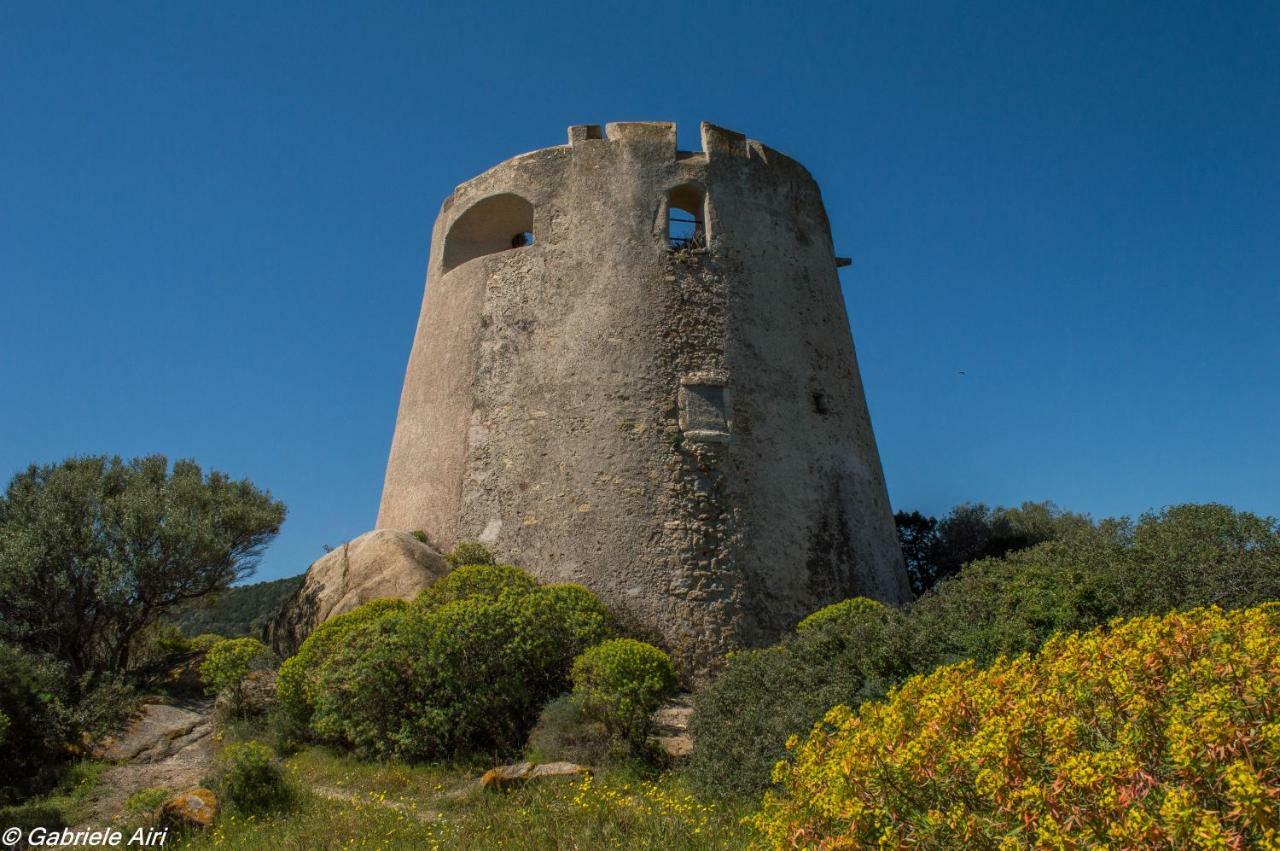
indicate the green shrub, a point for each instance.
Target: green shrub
{"x":32,"y":694}
{"x":845,"y":653}
{"x":474,"y":580}
{"x":575,"y":613}
{"x":1158,"y":732}
{"x":102,"y":709}
{"x":205,"y":642}
{"x":564,"y":732}
{"x":468,"y":552}
{"x":146,"y":800}
{"x":620,"y":683}
{"x":250,"y":779}
{"x":1179,"y":558}
{"x":143,"y":807}
{"x":464,"y":669}
{"x":292,"y":689}
{"x":295,"y":686}
{"x":846,"y":614}
{"x":285,"y":733}
{"x":29,"y":816}
{"x":227,"y":665}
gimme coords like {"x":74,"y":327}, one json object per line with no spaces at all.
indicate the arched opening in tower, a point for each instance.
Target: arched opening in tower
{"x":687,"y":217}
{"x":497,"y":223}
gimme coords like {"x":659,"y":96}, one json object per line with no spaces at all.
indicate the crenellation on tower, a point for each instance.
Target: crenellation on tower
{"x":633,"y":370}
{"x":660,"y":135}
{"x":719,"y":142}
{"x":579,"y":133}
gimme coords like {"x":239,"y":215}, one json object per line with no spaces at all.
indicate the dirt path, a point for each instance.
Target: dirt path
{"x":333,"y":793}
{"x":168,"y":745}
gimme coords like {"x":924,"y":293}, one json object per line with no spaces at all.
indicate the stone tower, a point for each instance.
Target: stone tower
{"x":633,"y":370}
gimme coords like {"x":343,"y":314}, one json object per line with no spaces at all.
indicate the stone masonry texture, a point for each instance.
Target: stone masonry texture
{"x":682,"y":430}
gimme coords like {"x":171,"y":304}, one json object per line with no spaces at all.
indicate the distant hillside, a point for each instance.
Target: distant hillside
{"x":241,"y":610}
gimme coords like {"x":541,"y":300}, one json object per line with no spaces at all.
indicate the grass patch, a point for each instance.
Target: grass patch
{"x":614,"y":809}
{"x":316,"y":823}
{"x":392,"y":781}
{"x":347,"y":803}
{"x":70,"y":802}
{"x":74,"y":794}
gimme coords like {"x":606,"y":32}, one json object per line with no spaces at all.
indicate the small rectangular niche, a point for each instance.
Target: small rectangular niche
{"x":705,"y":411}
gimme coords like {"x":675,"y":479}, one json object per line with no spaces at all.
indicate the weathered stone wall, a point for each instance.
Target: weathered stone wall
{"x":683,"y":432}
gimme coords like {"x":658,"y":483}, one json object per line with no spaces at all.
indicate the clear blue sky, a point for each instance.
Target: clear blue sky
{"x":214,"y":225}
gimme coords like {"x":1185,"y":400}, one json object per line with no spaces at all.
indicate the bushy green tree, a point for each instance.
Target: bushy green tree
{"x":466,"y":668}
{"x":1177,"y":558}
{"x":95,"y":550}
{"x":1188,"y":555}
{"x":936,"y":549}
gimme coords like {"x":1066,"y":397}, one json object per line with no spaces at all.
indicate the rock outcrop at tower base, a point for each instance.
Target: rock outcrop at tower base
{"x":633,"y":370}
{"x":381,"y":563}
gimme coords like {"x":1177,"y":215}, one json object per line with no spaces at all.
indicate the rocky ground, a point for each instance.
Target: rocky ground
{"x":170,"y":745}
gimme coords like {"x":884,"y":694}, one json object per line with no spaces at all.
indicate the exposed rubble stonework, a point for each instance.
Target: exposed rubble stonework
{"x":633,"y":370}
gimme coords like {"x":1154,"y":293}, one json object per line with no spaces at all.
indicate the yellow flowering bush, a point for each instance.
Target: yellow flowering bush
{"x":1157,"y":732}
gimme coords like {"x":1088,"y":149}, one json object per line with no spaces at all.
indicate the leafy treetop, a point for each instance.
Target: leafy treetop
{"x":94,"y":550}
